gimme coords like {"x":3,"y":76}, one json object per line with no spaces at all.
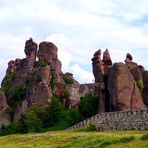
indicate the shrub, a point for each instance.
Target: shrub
{"x":42,"y":62}
{"x":144,"y":137}
{"x":53,"y":80}
{"x":8,"y":82}
{"x":73,"y":117}
{"x":88,"y":106}
{"x":53,"y":110}
{"x":9,"y":129}
{"x":140,"y":85}
{"x":68,"y":80}
{"x":90,"y":127}
{"x":19,"y":93}
{"x":33,"y":120}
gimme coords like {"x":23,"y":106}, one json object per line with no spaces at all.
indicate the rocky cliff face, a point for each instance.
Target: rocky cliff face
{"x":120,"y":85}
{"x":124,"y":93}
{"x":30,"y":82}
{"x":4,"y":116}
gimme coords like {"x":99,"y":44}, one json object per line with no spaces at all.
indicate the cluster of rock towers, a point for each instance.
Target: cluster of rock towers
{"x":41,"y":75}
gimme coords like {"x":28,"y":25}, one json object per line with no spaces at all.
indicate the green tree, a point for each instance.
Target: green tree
{"x":88,"y":106}
{"x":33,"y":119}
{"x":53,"y":110}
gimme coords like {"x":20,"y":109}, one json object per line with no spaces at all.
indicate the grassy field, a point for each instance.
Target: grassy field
{"x":77,"y":139}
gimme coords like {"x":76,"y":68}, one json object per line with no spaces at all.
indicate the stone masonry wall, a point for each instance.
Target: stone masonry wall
{"x":88,"y":89}
{"x":122,"y":120}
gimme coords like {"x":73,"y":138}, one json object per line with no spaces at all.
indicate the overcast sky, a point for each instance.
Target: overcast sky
{"x":78,"y":28}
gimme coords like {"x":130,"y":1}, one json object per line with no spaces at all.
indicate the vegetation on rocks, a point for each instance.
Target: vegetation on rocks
{"x":88,"y":106}
{"x":8,"y":82}
{"x":140,"y":85}
{"x":68,"y":80}
{"x":39,"y":118}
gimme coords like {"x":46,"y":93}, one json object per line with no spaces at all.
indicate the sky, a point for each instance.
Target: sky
{"x":78,"y":28}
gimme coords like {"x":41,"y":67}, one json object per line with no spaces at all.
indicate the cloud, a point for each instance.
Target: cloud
{"x":78,"y":28}
{"x":82,"y":75}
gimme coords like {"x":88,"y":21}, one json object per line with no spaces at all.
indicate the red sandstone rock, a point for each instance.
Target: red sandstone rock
{"x":48,"y":52}
{"x":30,"y":49}
{"x":129,"y":58}
{"x":124,"y":93}
{"x":97,"y":66}
{"x":106,"y":58}
{"x":4,"y":116}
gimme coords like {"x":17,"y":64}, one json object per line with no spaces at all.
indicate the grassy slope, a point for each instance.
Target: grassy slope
{"x":76,"y":139}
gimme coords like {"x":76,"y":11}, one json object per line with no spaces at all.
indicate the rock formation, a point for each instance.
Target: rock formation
{"x":117,"y":84}
{"x":31,"y":82}
{"x":106,"y":58}
{"x":124,"y":93}
{"x":39,"y":80}
{"x":72,"y":91}
{"x":4,"y":116}
{"x":134,"y":68}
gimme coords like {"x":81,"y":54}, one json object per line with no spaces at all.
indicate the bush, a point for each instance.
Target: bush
{"x":67,"y":118}
{"x":68,"y":80}
{"x":8,"y":82}
{"x":33,"y":120}
{"x":53,"y":110}
{"x":42,"y":62}
{"x":18,"y":94}
{"x":140,"y":85}
{"x":144,"y":137}
{"x":53,"y":80}
{"x":91,"y":127}
{"x":88,"y":106}
{"x":9,"y":129}
{"x":73,"y":117}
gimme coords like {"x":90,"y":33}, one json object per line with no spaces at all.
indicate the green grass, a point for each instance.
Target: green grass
{"x":76,"y":139}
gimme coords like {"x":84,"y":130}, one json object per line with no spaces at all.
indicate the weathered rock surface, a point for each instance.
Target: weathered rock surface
{"x":100,"y":70}
{"x":43,"y":79}
{"x":71,"y":92}
{"x":134,"y":68}
{"x":106,"y":58}
{"x":145,"y":91}
{"x":124,"y":93}
{"x":97,"y":66}
{"x":47,"y":51}
{"x":129,"y":58}
{"x":4,"y":116}
{"x":30,"y":49}
{"x":88,"y":89}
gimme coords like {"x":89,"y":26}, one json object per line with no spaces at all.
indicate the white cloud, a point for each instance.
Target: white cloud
{"x":82,"y":75}
{"x":78,"y":28}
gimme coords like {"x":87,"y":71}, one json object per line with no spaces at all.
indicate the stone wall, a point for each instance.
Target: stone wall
{"x":122,"y":120}
{"x":88,"y":89}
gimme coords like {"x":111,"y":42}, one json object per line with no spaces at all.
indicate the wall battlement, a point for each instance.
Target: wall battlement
{"x":122,"y":120}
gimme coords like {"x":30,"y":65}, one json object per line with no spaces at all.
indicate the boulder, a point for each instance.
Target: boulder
{"x":48,"y":52}
{"x":124,"y":93}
